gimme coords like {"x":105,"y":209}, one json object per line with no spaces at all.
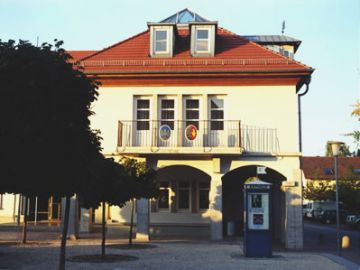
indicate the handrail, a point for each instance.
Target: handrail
{"x":208,"y":134}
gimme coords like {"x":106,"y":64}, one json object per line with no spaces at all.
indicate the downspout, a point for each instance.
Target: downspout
{"x":307,"y":82}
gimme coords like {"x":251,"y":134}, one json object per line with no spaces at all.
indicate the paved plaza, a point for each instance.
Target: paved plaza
{"x":43,"y":250}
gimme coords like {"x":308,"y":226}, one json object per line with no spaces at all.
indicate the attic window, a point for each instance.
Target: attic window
{"x":328,"y":171}
{"x":203,"y":39}
{"x":161,"y":41}
{"x":202,"y":43}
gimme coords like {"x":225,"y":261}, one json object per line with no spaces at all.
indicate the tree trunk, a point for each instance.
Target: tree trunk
{"x":103,"y":231}
{"x":24,"y":232}
{"x":64,"y":234}
{"x":131,"y":222}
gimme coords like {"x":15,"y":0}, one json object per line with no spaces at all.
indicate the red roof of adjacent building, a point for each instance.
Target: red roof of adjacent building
{"x":77,"y":55}
{"x":322,"y":168}
{"x":233,"y":54}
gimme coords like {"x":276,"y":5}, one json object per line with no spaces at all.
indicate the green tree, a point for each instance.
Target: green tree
{"x":115,"y":184}
{"x":321,"y":192}
{"x":349,"y":194}
{"x":343,"y":152}
{"x":356,"y":133}
{"x":47,"y":145}
{"x":145,"y":184}
{"x":109,"y":186}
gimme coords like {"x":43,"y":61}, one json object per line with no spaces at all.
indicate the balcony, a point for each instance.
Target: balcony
{"x":194,"y":137}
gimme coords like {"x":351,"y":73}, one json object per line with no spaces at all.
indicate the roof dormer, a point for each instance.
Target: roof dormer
{"x":161,"y":39}
{"x":203,"y":37}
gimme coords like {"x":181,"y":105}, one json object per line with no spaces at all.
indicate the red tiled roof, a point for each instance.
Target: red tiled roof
{"x":77,"y":55}
{"x":314,"y":167}
{"x":233,"y":54}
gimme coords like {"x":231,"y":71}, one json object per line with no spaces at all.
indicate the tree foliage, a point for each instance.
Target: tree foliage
{"x":349,"y":193}
{"x":46,"y":141}
{"x":47,"y":145}
{"x":356,"y":133}
{"x":321,"y":192}
{"x":117,"y":183}
{"x":343,"y":152}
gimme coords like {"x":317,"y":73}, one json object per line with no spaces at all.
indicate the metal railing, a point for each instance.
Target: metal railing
{"x":179,"y":133}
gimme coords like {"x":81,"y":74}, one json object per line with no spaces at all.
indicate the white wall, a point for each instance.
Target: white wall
{"x":261,"y":106}
{"x":7,"y":212}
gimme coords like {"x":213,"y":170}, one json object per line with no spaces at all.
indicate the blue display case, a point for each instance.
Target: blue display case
{"x":257,"y":219}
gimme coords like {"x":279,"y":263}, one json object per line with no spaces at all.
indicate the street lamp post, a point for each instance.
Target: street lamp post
{"x":335,"y":147}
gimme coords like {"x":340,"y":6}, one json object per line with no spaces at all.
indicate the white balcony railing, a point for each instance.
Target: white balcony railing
{"x":227,"y":134}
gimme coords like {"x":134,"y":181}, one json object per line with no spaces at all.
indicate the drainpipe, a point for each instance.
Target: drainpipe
{"x":307,"y":82}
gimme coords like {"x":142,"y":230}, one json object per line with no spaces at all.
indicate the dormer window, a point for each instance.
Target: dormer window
{"x":161,"y":40}
{"x":202,"y":43}
{"x":203,"y":39}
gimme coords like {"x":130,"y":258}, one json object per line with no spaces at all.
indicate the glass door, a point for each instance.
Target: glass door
{"x":217,"y":136}
{"x":166,"y":133}
{"x":192,"y":124}
{"x":142,"y":124}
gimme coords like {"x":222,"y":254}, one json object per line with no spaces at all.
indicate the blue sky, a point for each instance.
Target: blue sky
{"x":329,"y":30}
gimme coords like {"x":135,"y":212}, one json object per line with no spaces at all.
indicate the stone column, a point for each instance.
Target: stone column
{"x":215,"y":197}
{"x":294,"y":219}
{"x":142,"y":220}
{"x":73,"y":227}
{"x":85,"y":220}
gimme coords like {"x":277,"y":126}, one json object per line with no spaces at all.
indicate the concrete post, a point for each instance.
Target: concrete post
{"x":85,"y":220}
{"x":73,"y":228}
{"x":215,"y":197}
{"x":142,"y":220}
{"x":294,"y":220}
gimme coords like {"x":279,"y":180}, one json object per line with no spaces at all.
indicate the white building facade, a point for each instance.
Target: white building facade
{"x":206,"y":108}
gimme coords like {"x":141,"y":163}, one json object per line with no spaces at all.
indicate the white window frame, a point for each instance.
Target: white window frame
{"x":202,"y":39}
{"x":166,"y":51}
{"x":216,"y":109}
{"x":185,"y":109}
{"x":136,"y":109}
{"x":169,"y":40}
{"x":167,"y":109}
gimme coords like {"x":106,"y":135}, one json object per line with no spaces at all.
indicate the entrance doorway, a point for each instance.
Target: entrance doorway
{"x":233,"y":200}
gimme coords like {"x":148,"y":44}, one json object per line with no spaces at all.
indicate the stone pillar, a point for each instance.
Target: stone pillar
{"x":142,"y":220}
{"x":215,"y":197}
{"x":85,"y":220}
{"x":294,"y":219}
{"x":73,"y":227}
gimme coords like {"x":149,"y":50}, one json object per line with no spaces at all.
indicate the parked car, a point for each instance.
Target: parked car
{"x":353,"y":221}
{"x":329,"y":216}
{"x":314,"y":208}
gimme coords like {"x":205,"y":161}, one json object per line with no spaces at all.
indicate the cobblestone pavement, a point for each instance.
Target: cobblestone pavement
{"x":42,"y":252}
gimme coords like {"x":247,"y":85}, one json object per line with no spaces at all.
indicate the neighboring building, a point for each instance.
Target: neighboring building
{"x":207,"y":109}
{"x":319,"y":170}
{"x":319,"y":173}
